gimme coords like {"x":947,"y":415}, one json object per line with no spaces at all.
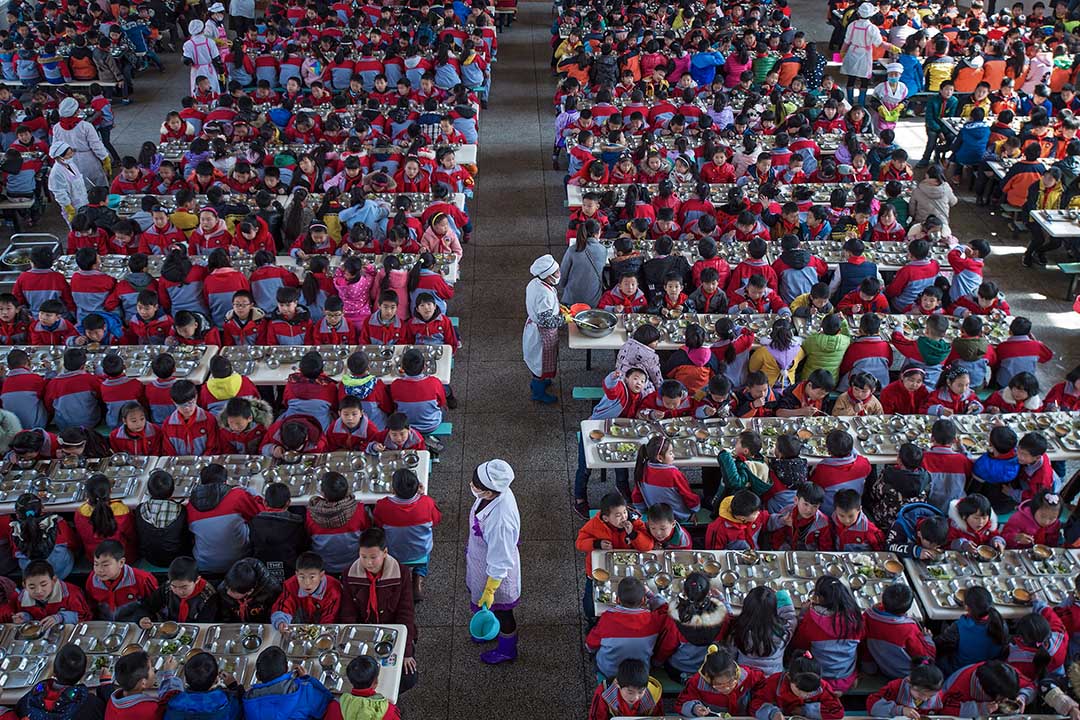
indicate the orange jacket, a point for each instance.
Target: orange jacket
{"x":596,"y":530}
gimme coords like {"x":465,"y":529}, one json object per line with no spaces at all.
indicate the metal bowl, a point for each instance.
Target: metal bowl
{"x":1042,"y":552}
{"x":595,"y":323}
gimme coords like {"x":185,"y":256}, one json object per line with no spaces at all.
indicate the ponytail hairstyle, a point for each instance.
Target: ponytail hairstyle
{"x":404,"y":204}
{"x":719,"y":664}
{"x":647,"y":453}
{"x":310,"y":287}
{"x":99,"y":497}
{"x":804,"y":672}
{"x":1034,"y":631}
{"x":980,"y":606}
{"x":695,"y":598}
{"x":757,"y":630}
{"x":390,"y":263}
{"x":694,"y":336}
{"x":353,"y":267}
{"x":783,"y":335}
{"x":425,"y":261}
{"x":833,"y":595}
{"x":32,"y":540}
{"x":293,"y":225}
{"x":589,"y":228}
{"x":948,"y":375}
{"x":726,"y":332}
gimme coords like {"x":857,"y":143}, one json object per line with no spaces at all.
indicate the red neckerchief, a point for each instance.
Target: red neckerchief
{"x":182,"y":612}
{"x":373,"y":597}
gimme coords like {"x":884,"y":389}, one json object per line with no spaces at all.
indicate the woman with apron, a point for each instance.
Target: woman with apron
{"x":861,"y":38}
{"x":91,"y":156}
{"x":540,"y":338}
{"x":492,"y":563}
{"x":891,"y":94}
{"x":200,"y":52}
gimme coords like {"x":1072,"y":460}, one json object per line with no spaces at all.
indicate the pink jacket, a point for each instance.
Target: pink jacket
{"x":399,"y":283}
{"x":356,"y":295}
{"x":448,"y":243}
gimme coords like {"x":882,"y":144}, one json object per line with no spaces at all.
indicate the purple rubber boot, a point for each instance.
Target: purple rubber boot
{"x":505,"y":651}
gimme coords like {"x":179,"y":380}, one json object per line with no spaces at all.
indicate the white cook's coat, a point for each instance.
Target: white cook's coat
{"x":202,"y":50}
{"x":861,"y":38}
{"x":539,"y":297}
{"x":495,"y":554}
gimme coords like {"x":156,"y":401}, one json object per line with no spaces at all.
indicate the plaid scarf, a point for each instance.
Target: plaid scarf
{"x":160,"y":513}
{"x":328,"y":514}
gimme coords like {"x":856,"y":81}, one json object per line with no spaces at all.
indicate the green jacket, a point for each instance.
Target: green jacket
{"x":825,"y":352}
{"x":740,"y":474}
{"x":934,"y":112}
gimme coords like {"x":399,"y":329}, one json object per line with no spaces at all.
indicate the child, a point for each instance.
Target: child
{"x":185,"y":598}
{"x":114,"y":584}
{"x":429,"y":325}
{"x":980,"y":634}
{"x":656,"y":479}
{"x":1036,"y":472}
{"x":409,"y":517}
{"x":244,"y":322}
{"x":242,"y":424}
{"x":928,"y":351}
{"x":134,"y":678}
{"x":858,"y":399}
{"x":218,"y":515}
{"x":896,"y":485}
{"x":39,"y":536}
{"x":852,"y":530}
{"x":666,"y":532}
{"x":786,"y":471}
{"x":308,"y":597}
{"x":42,"y":283}
{"x":720,"y":686}
{"x":160,"y":522}
{"x":630,"y":692}
{"x":612,"y":528}
{"x":625,"y":297}
{"x":806,"y":398}
{"x":1039,"y":646}
{"x":117,"y":389}
{"x":895,"y":642}
{"x":629,"y":630}
{"x":102,"y":518}
{"x":832,"y":628}
{"x":866,"y":298}
{"x":739,"y":521}
{"x":622,"y":396}
{"x":351,"y":430}
{"x":290,"y":323}
{"x":363,"y":701}
{"x":333,"y":328}
{"x":756,"y":398}
{"x":50,"y":328}
{"x":23,"y":391}
{"x":310,"y":392}
{"x":843,"y":469}
{"x":972,"y":351}
{"x":202,"y":698}
{"x":89,"y":284}
{"x":192,"y":328}
{"x":800,"y":690}
{"x":708,"y":298}
{"x":1020,"y":352}
{"x":149,"y":324}
{"x":953,"y":395}
{"x":1035,"y":522}
{"x":920,"y":531}
{"x":383,"y":327}
{"x":189,"y":430}
{"x":278,"y":535}
{"x":972,"y":522}
{"x":74,"y":395}
{"x":420,"y":396}
{"x":248,"y":592}
{"x":760,"y":633}
{"x":223,"y":385}
{"x":801,"y":526}
{"x":48,"y":599}
{"x":917,"y":694}
{"x":277,"y":691}
{"x":906,"y":395}
{"x":966,"y":262}
{"x":63,"y":695}
{"x":334,"y":521}
{"x":995,"y":472}
{"x":397,"y":436}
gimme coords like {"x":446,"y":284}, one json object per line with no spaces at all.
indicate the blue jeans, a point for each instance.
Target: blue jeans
{"x":581,"y":477}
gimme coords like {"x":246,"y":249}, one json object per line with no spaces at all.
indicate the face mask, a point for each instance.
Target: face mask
{"x":478,"y":494}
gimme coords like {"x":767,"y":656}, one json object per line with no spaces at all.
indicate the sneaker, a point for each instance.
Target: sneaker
{"x":581,"y":507}
{"x":451,"y":401}
{"x":1026,"y":261}
{"x":1040,"y":259}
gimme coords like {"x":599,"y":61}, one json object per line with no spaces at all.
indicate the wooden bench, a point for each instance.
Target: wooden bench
{"x":1072,"y":270}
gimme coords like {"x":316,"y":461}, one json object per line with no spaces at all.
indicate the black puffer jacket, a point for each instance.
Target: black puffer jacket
{"x":278,"y":537}
{"x":256,"y":608}
{"x":163,"y":535}
{"x":893,"y":488}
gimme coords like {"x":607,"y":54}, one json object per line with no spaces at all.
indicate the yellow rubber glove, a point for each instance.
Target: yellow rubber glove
{"x":487,"y":598}
{"x":69,"y":211}
{"x":107,"y":164}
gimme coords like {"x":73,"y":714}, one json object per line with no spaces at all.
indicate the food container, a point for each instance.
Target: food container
{"x":233,"y":639}
{"x":596,"y":323}
{"x":99,"y":637}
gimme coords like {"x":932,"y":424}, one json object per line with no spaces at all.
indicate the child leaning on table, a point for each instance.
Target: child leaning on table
{"x":629,"y":630}
{"x":308,"y":597}
{"x":201,"y":697}
{"x":628,"y":694}
{"x":363,"y":701}
{"x":895,"y":642}
{"x":134,"y":678}
{"x":914,"y":696}
{"x":279,"y":692}
{"x":739,"y":469}
{"x":739,"y":521}
{"x":611,"y":528}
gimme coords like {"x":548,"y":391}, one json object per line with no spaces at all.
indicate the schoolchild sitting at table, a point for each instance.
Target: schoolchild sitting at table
{"x":1035,"y":522}
{"x":134,"y":678}
{"x":1020,"y":352}
{"x":918,"y":693}
{"x":310,"y":596}
{"x":1036,"y":471}
{"x":398,"y":436}
{"x":756,"y":297}
{"x":629,"y":692}
{"x":670,"y":400}
{"x":47,"y":599}
{"x":64,"y":692}
{"x":852,"y":529}
{"x":798,"y":690}
{"x":192,"y":328}
{"x":612,"y":528}
{"x":986,"y":300}
{"x":720,"y":685}
{"x":666,"y":532}
{"x":801,"y":526}
{"x":740,"y":519}
{"x":625,"y":296}
{"x":276,"y":691}
{"x":814,"y":302}
{"x":656,"y":479}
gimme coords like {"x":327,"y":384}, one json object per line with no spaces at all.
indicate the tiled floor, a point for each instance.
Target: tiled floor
{"x":519,"y":215}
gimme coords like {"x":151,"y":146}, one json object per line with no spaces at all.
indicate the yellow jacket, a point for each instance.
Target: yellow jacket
{"x":763,"y":360}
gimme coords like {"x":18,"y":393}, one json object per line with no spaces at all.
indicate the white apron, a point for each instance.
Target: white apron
{"x":861,"y":38}
{"x":539,"y":297}
{"x":492,"y":551}
{"x":201,"y":50}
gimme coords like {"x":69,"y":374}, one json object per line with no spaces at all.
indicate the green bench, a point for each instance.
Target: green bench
{"x":1072,"y":270}
{"x":443,"y":429}
{"x":588,"y":393}
{"x":151,"y":568}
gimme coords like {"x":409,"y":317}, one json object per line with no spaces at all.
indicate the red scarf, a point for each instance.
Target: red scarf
{"x":373,"y":598}
{"x":69,"y":123}
{"x":182,"y":613}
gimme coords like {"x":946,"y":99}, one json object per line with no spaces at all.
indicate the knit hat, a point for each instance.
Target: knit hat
{"x":495,"y":474}
{"x":543,"y":267}
{"x":68,"y":107}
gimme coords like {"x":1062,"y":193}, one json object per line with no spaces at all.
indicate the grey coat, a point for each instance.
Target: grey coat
{"x":581,"y":273}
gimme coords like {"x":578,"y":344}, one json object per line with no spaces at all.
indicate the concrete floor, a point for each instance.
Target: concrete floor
{"x":519,"y":214}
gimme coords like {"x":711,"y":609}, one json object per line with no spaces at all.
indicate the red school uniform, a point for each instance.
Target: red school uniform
{"x":775,"y":695}
{"x":666,"y":483}
{"x":318,"y":608}
{"x":124,"y":534}
{"x":66,"y":600}
{"x":437,"y":331}
{"x":149,"y":442}
{"x":375,"y":331}
{"x":724,"y":533}
{"x":607,"y":703}
{"x":834,"y":474}
{"x":321,"y":333}
{"x":859,"y":535}
{"x":132,"y":585}
{"x":698,"y":693}
{"x":339,"y":436}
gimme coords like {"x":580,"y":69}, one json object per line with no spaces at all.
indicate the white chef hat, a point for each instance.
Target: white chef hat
{"x":894,"y":68}
{"x":543,"y":267}
{"x":68,"y":107}
{"x":58,"y":149}
{"x":495,"y":474}
{"x":217,"y":8}
{"x":866,"y":10}
{"x":195,"y":27}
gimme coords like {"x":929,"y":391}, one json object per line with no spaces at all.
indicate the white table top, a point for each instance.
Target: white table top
{"x":264,"y":375}
{"x":1056,"y":223}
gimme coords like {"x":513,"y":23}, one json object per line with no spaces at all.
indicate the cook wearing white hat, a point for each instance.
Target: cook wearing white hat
{"x":540,"y":338}
{"x":894,"y":68}
{"x":492,"y":563}
{"x":68,"y":107}
{"x":58,"y":149}
{"x":217,"y":8}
